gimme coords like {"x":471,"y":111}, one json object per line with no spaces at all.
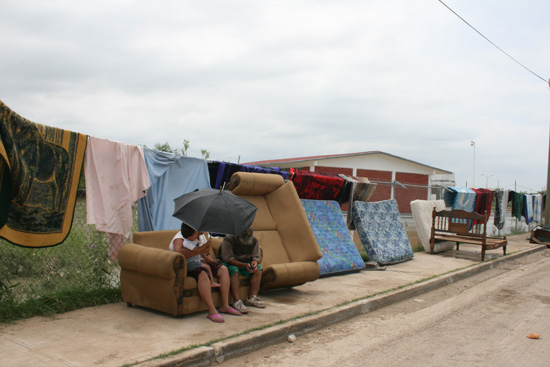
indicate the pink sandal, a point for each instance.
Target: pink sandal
{"x":215,"y":318}
{"x":232,"y":311}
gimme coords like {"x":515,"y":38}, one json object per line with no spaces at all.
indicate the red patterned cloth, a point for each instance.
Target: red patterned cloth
{"x":484,"y":199}
{"x":316,"y":186}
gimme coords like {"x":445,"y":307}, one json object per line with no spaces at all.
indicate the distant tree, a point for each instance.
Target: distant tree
{"x":183,"y":151}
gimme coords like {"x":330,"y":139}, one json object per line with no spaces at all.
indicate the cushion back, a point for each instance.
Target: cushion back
{"x":157,"y":239}
{"x":292,"y":224}
{"x":255,"y":183}
{"x":274,"y":251}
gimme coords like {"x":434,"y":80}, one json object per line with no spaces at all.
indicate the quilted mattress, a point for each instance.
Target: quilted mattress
{"x":339,"y":252}
{"x":422,"y":215}
{"x":382,"y":231}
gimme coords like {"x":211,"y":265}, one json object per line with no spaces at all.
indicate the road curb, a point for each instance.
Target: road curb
{"x":218,"y":352}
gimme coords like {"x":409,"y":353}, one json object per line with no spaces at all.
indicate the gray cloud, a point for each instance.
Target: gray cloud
{"x":267,"y":80}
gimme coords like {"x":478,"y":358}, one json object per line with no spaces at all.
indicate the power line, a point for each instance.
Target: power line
{"x":501,"y":50}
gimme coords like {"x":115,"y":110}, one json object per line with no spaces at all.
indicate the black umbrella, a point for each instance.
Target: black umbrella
{"x":210,"y":210}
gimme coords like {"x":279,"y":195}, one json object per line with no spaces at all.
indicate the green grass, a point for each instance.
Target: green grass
{"x":44,"y":281}
{"x":55,"y":303}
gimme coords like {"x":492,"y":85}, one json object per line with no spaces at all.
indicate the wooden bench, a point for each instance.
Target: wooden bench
{"x":461,"y":226}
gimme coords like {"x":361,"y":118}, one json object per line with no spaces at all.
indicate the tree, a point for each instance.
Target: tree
{"x":183,"y":151}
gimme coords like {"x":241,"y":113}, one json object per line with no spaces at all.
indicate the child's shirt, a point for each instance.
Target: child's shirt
{"x":193,"y":262}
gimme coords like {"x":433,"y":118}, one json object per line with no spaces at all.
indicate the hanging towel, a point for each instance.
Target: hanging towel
{"x":171,"y":175}
{"x":483,"y":202}
{"x":116,"y":177}
{"x":361,"y":190}
{"x":39,"y":173}
{"x":449,"y":196}
{"x":537,"y":208}
{"x":316,"y":186}
{"x":528,"y":208}
{"x":461,"y":198}
{"x":501,"y":204}
{"x":517,"y":203}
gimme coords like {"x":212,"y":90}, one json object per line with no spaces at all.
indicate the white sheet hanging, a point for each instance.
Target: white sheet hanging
{"x":116,"y":177}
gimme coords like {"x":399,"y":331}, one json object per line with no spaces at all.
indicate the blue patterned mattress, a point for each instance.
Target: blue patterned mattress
{"x":382,"y":232}
{"x":339,"y":252}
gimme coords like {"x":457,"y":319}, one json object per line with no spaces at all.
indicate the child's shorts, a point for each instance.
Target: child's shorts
{"x":242,"y":270}
{"x":195,"y":273}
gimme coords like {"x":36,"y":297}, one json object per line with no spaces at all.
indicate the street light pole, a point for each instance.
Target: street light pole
{"x":473,"y":144}
{"x":487,"y":180}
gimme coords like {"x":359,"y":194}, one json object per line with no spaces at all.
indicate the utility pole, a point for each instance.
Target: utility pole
{"x":473,"y":144}
{"x":547,"y":211}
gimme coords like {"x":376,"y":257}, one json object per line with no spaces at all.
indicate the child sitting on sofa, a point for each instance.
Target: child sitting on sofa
{"x":187,"y":242}
{"x":195,"y":264}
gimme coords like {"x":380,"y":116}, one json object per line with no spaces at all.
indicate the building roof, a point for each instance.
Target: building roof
{"x":332,"y":156}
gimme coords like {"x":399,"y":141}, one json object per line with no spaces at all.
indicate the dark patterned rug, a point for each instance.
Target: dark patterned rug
{"x":39,"y":172}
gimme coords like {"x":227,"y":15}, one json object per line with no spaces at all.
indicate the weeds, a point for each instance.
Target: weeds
{"x":44,"y":281}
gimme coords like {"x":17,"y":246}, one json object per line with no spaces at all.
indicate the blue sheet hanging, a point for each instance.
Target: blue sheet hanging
{"x":171,"y":176}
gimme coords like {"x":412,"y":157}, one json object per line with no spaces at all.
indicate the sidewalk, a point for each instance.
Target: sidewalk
{"x":116,"y":335}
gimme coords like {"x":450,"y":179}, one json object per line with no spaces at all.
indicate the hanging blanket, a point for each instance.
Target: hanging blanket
{"x":361,"y":190}
{"x":501,"y":204}
{"x":483,"y":202}
{"x":316,"y":186}
{"x":382,"y":231}
{"x":39,"y":172}
{"x":171,"y":175}
{"x":339,"y":252}
{"x":517,"y":200}
{"x":528,"y":208}
{"x":221,"y":172}
{"x":422,"y":215}
{"x":537,"y":208}
{"x":465,"y":198}
{"x":112,"y":187}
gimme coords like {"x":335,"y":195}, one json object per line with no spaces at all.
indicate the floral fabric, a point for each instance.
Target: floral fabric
{"x":382,"y":232}
{"x":339,"y":252}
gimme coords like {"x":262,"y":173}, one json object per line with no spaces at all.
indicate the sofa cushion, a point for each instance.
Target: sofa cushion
{"x":292,"y":224}
{"x":263,"y":221}
{"x":255,"y":183}
{"x":272,"y":248}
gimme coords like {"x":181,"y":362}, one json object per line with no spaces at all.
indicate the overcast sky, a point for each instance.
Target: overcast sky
{"x":258,"y":80}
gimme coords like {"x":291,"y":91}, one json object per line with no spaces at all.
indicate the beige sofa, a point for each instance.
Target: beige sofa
{"x":154,"y":277}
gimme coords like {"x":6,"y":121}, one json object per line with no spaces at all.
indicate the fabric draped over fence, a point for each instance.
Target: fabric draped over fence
{"x":171,"y":175}
{"x":39,"y":174}
{"x":221,"y":172}
{"x":315,"y":186}
{"x":116,"y":177}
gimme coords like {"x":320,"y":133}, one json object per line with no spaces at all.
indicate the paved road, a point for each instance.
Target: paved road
{"x":481,"y":321}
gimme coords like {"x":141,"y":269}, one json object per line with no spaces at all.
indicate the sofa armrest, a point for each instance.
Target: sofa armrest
{"x":152,"y":261}
{"x":289,"y":274}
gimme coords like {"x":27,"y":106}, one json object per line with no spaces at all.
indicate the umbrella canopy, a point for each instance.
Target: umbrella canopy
{"x":210,"y":210}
